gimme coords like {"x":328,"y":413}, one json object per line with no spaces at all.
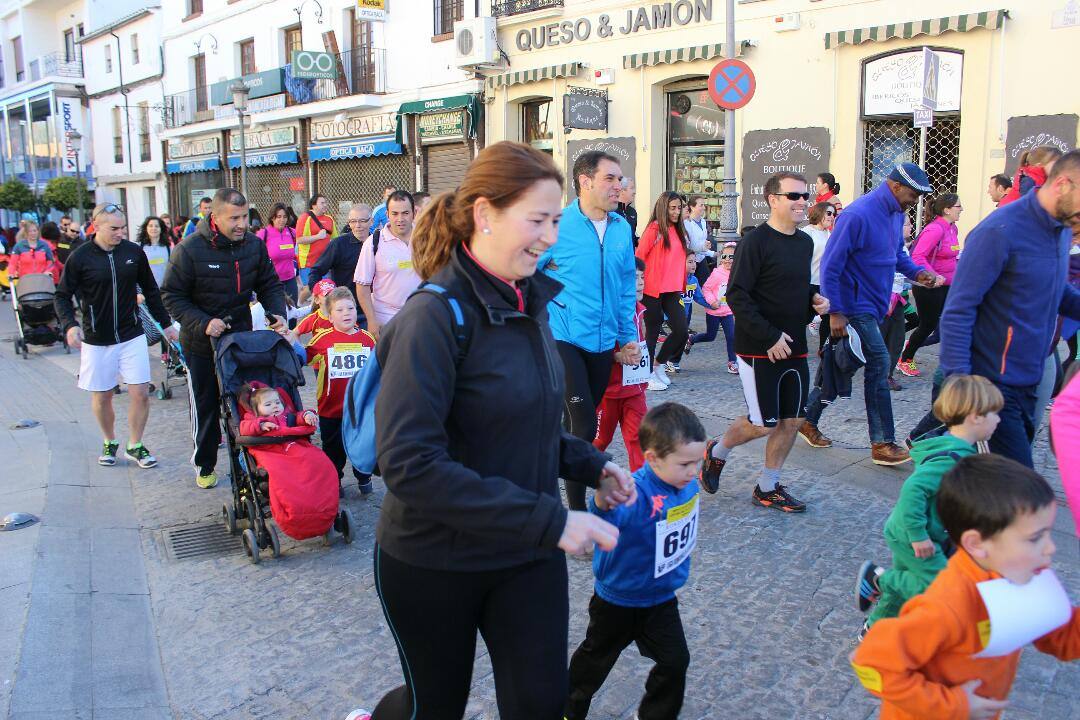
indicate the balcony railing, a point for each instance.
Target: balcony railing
{"x":505,"y":8}
{"x":55,"y":64}
{"x":360,"y":72}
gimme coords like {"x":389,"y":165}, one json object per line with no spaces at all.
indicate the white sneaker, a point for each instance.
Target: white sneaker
{"x":656,"y":385}
{"x":669,"y":367}
{"x":662,"y":376}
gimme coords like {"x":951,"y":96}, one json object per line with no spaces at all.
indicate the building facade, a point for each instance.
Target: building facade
{"x":124,"y":94}
{"x":833,"y":88}
{"x":345,"y":134}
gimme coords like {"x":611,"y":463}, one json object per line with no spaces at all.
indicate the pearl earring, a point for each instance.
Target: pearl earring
{"x":486,"y":231}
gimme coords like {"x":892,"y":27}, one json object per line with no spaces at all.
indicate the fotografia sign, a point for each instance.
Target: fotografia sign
{"x":585,"y":112}
{"x":353,"y":126}
{"x":767,"y":152}
{"x":623,"y":148}
{"x":1028,"y":131}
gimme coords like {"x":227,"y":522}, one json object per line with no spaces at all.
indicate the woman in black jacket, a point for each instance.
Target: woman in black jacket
{"x":472,"y":530}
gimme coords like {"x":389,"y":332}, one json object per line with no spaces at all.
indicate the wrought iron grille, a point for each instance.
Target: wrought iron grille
{"x":504,"y":8}
{"x":271,"y":184}
{"x":345,"y":182}
{"x":888,"y":142}
{"x":446,"y":12}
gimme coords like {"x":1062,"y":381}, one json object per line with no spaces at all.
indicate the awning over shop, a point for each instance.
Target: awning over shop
{"x":536,"y":74}
{"x":175,"y":167}
{"x":989,"y":19}
{"x":470,"y":102}
{"x":678,"y":55}
{"x":263,"y":157}
{"x":354,"y":148}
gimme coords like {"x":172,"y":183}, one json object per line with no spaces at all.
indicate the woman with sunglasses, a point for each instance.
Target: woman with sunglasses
{"x":663,"y":248}
{"x":821,"y":217}
{"x":718,"y":314}
{"x":280,"y":242}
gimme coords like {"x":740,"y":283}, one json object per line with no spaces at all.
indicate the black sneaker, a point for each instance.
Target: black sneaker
{"x":709,"y":477}
{"x":863,"y":630}
{"x":867,"y":591}
{"x":364,"y":483}
{"x":140,"y":455}
{"x":108,"y":453}
{"x":777,"y":499}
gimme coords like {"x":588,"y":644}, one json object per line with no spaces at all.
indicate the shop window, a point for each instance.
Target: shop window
{"x":361,"y":58}
{"x":134,"y":48}
{"x":144,"y":132}
{"x":446,"y":12}
{"x":108,"y":58}
{"x":294,"y":40}
{"x":118,"y":140}
{"x":696,"y":149}
{"x":16,"y":49}
{"x":194,"y":7}
{"x":536,"y":129}
{"x":247,"y":57}
{"x":151,"y":201}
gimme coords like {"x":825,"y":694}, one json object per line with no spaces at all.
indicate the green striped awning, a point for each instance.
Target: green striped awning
{"x":678,"y":55}
{"x":989,"y":19}
{"x":536,"y":74}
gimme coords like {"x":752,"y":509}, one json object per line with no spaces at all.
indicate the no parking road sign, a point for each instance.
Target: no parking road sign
{"x":732,"y":84}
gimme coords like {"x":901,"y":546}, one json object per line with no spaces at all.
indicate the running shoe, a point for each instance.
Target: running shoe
{"x":660,"y":376}
{"x":108,"y":453}
{"x":894,"y":385}
{"x":140,"y":455}
{"x":688,"y":347}
{"x":709,"y":477}
{"x":867,"y":591}
{"x":365,"y":485}
{"x":778,"y":499}
{"x":206,"y":481}
{"x":733,"y":367}
{"x":656,"y":386}
{"x":674,"y":367}
{"x":359,"y":714}
{"x":863,"y":630}
{"x":669,"y":367}
{"x":908,"y":368}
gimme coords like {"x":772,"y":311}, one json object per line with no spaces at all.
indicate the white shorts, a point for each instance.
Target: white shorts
{"x":103,"y":367}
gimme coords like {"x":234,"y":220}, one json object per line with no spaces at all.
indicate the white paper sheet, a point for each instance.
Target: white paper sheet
{"x":1021,"y":614}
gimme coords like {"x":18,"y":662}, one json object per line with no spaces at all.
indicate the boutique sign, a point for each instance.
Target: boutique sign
{"x":657,"y":16}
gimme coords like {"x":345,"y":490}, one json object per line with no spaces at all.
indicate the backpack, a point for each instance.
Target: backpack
{"x":358,"y":406}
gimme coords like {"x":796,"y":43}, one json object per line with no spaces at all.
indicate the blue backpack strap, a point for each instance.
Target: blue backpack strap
{"x":456,"y":315}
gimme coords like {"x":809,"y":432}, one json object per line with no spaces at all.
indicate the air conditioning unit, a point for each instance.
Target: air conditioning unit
{"x":475,"y":42}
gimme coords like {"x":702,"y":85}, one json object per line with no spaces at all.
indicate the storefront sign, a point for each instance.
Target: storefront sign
{"x":623,"y":148}
{"x":893,"y":85}
{"x":273,"y":137}
{"x":354,"y":149}
{"x":1028,"y":131}
{"x":657,"y":16}
{"x":255,"y":159}
{"x":174,"y":167}
{"x":371,"y":10}
{"x":311,"y":65}
{"x":264,"y":104}
{"x":354,"y":126}
{"x":70,"y":114}
{"x":194,"y":147}
{"x":585,"y":112}
{"x":441,"y":127}
{"x":270,"y":82}
{"x":767,"y":152}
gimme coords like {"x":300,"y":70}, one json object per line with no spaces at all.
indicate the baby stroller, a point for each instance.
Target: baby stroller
{"x":172,"y":357}
{"x":258,"y":356}
{"x":35,"y":314}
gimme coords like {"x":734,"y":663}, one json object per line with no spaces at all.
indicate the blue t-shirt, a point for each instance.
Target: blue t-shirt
{"x":656,"y":535}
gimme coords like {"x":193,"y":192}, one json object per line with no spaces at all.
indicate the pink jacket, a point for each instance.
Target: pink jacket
{"x":715,"y":288}
{"x":1065,"y":430}
{"x":281,"y":244}
{"x":938,"y":248}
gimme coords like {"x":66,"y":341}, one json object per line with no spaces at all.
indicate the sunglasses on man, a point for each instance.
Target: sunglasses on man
{"x":727,"y":257}
{"x":793,"y":196}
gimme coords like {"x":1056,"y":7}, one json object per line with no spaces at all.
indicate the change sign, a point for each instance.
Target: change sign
{"x":310,"y":65}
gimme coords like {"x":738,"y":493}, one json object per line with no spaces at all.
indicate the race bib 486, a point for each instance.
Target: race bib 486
{"x":344,"y":359}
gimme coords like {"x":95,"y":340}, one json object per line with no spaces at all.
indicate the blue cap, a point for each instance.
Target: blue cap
{"x":911,"y":175}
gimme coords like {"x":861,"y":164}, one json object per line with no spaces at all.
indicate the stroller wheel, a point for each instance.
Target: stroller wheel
{"x":161,"y":393}
{"x":251,"y":546}
{"x":249,"y":511}
{"x":275,"y":540}
{"x":166,"y":391}
{"x":348,"y":525}
{"x":229,"y":516}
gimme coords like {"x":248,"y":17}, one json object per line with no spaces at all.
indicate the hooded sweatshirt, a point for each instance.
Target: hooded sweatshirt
{"x":915,"y":516}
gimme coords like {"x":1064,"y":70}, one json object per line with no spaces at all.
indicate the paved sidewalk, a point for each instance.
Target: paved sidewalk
{"x":101,"y":619}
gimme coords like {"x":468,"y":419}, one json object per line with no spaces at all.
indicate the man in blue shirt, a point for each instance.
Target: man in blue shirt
{"x":864,"y":253}
{"x":1000,"y":318}
{"x":379,"y":216}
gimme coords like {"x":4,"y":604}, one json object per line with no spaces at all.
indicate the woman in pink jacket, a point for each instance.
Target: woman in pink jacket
{"x":280,"y":242}
{"x":663,"y":249}
{"x":719,"y":313}
{"x":937,"y":249}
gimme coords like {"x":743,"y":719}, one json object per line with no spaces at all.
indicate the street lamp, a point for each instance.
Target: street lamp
{"x":75,"y":138}
{"x":240,"y":95}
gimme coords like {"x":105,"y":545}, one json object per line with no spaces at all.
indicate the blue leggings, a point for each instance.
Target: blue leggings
{"x":712,"y":324}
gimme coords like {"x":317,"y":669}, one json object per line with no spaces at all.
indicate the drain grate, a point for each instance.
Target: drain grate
{"x":197,"y":541}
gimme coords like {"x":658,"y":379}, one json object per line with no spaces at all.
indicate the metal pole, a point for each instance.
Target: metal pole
{"x":243,"y":156}
{"x":729,"y":210}
{"x":78,"y":190}
{"x":922,"y":164}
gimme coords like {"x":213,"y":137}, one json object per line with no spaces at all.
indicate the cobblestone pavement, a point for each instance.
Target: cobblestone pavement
{"x":768,"y":609}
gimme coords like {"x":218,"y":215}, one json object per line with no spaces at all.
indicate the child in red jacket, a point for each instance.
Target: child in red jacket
{"x":624,"y":404}
{"x":269,"y":413}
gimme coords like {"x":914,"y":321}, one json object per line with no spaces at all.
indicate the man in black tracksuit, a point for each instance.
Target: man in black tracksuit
{"x":341,"y":255}
{"x":208,"y":286}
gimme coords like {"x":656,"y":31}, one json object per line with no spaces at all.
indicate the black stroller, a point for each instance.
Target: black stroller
{"x":266,"y":357}
{"x":35,"y":314}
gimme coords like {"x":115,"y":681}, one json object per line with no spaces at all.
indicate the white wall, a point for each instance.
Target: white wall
{"x":148,"y":30}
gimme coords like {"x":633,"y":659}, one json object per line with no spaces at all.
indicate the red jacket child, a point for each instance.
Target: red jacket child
{"x":625,"y":404}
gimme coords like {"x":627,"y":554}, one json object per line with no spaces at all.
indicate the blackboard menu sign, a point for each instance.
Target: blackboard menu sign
{"x":622,"y":148}
{"x":585,"y":112}
{"x":767,"y":152}
{"x":1028,"y":131}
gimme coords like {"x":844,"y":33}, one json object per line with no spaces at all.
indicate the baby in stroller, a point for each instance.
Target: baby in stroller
{"x":268,"y":412}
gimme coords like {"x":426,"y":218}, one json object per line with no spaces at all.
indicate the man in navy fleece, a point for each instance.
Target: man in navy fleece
{"x":1009,"y":288}
{"x":864,"y":253}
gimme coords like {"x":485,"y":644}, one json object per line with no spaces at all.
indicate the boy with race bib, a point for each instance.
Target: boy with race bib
{"x":337,"y":353}
{"x":634,"y":598}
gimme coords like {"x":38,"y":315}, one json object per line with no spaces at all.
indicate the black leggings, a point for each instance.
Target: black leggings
{"x":587,"y":377}
{"x":521,"y":612}
{"x":930,"y":302}
{"x":655,"y":309}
